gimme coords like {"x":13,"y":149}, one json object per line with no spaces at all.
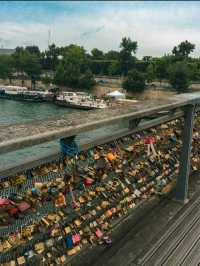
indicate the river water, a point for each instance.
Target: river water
{"x":12,"y":112}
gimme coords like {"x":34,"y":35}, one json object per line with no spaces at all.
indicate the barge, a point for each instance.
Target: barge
{"x":20,"y":94}
{"x":23,"y":94}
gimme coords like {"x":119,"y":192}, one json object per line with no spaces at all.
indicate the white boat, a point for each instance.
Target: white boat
{"x":79,"y":100}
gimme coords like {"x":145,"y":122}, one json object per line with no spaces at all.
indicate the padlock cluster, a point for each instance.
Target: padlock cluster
{"x":50,"y":213}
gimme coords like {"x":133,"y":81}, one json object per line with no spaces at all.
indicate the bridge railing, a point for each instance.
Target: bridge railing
{"x":140,"y":117}
{"x":135,"y":121}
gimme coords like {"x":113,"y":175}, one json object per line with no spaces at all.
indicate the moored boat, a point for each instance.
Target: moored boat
{"x":79,"y":100}
{"x":23,"y":94}
{"x":47,"y":95}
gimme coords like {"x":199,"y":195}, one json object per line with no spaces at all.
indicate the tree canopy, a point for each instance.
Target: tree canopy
{"x":75,"y":67}
{"x":74,"y":70}
{"x":28,"y":61}
{"x":126,"y":58}
{"x":183,"y":49}
{"x":179,"y":76}
{"x":135,"y":81}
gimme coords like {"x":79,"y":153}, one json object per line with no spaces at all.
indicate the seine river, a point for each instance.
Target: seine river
{"x":12,"y":112}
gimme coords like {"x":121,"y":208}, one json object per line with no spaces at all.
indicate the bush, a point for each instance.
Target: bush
{"x":135,"y":81}
{"x":179,"y":76}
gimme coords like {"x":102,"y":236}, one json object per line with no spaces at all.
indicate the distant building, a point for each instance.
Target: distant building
{"x":5,"y":51}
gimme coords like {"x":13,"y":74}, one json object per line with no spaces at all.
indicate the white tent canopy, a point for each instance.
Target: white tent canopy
{"x":116,"y":94}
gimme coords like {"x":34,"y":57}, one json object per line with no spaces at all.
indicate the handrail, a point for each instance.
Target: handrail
{"x":18,"y":136}
{"x":55,"y":154}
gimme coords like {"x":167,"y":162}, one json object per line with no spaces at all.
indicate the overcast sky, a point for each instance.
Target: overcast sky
{"x":157,"y":26}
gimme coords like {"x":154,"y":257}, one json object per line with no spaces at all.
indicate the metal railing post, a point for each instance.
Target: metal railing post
{"x":183,"y":177}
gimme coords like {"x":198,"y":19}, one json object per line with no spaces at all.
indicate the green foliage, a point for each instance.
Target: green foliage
{"x":18,"y":59}
{"x":74,"y":71}
{"x":59,"y":77}
{"x":6,"y":67}
{"x":97,"y":54}
{"x":141,"y":65}
{"x":150,"y":73}
{"x":135,"y":81}
{"x":183,"y":49}
{"x":33,"y":50}
{"x":74,"y":67}
{"x":28,"y":63}
{"x":32,"y":67}
{"x":86,"y":80}
{"x":127,"y":62}
{"x":162,"y":65}
{"x":147,"y":58}
{"x":126,"y":58}
{"x":50,"y":58}
{"x":46,"y":80}
{"x":179,"y":76}
{"x":128,"y":45}
{"x":112,"y":55}
{"x":194,"y":70}
{"x":114,"y":68}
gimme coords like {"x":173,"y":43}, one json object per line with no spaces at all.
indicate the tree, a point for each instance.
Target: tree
{"x":183,"y":49}
{"x":128,"y":45}
{"x":6,"y":67}
{"x":17,"y":56}
{"x":114,"y":68}
{"x":194,"y":70}
{"x":161,"y":67}
{"x":179,"y":76}
{"x":147,"y":58}
{"x":150,"y":73}
{"x":112,"y":55}
{"x":28,"y":62}
{"x":50,"y":58}
{"x":33,"y":50}
{"x":86,"y":80}
{"x":127,"y":60}
{"x":74,"y":71}
{"x":135,"y":81}
{"x":59,"y":77}
{"x":31,"y":66}
{"x":97,"y":54}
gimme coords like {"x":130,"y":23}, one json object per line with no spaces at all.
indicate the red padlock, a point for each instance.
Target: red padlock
{"x":149,"y":140}
{"x":13,"y":211}
{"x":88,"y":181}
